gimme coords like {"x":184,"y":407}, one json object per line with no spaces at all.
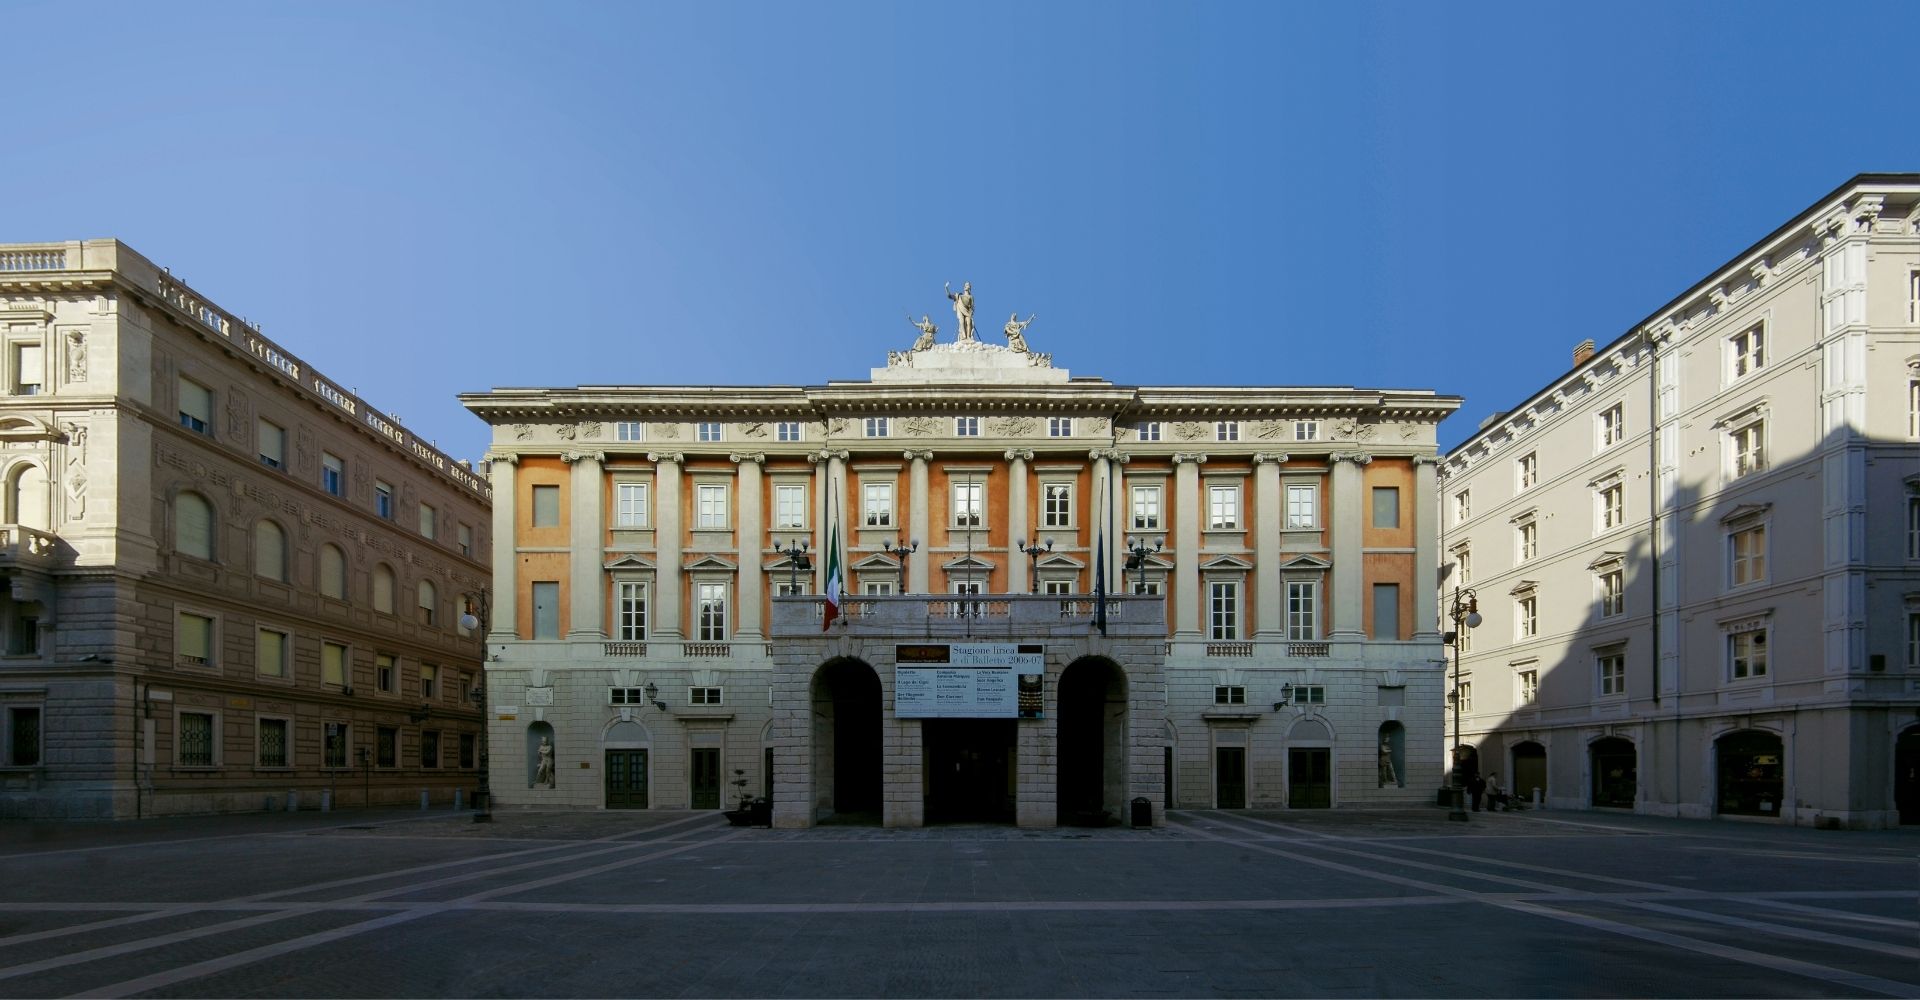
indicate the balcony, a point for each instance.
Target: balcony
{"x":24,"y":546}
{"x":1008,"y":616}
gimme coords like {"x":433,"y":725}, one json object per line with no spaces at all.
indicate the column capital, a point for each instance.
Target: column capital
{"x":1197,"y":458}
{"x":666,"y":457}
{"x":827,"y":455}
{"x":1419,"y":460}
{"x":571,"y":457}
{"x":756,"y":457}
{"x":1356,"y":457}
{"x":1019,"y":455}
{"x":1264,"y":457}
{"x":917,"y":456}
{"x":501,"y":456}
{"x":1110,"y":454}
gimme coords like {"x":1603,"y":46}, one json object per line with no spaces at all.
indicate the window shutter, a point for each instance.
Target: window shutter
{"x":333,"y":572}
{"x":269,"y":551}
{"x":193,"y":526}
{"x":270,"y":655}
{"x":196,"y":401}
{"x":383,"y":589}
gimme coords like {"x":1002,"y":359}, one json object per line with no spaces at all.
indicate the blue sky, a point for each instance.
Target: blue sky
{"x":423,"y":199}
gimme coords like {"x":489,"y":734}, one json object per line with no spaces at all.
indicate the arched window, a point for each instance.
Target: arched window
{"x":429,"y":602}
{"x":383,"y":588}
{"x":333,"y":572}
{"x":193,"y":525}
{"x":27,"y":500}
{"x":269,"y":551}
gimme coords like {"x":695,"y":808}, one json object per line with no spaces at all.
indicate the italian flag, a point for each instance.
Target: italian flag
{"x":833,"y":578}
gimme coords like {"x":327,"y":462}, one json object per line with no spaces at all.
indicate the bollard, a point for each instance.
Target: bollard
{"x":326,"y":800}
{"x":293,"y":800}
{"x":459,"y":799}
{"x":267,"y":806}
{"x":423,"y":800}
{"x":1536,"y":797}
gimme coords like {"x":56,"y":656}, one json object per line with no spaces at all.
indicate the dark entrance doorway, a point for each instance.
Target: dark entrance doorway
{"x":1529,"y":770}
{"x":1230,"y":777}
{"x":969,"y":770}
{"x":1906,"y":775}
{"x":1749,"y":773}
{"x":626,"y":779}
{"x":846,"y":743}
{"x":1309,"y":778}
{"x":1615,"y":782}
{"x":706,"y":778}
{"x":1091,"y":783}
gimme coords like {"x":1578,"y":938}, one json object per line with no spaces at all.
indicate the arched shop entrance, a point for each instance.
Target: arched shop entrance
{"x":1906,"y":775}
{"x":847,"y":752}
{"x":1614,"y":766}
{"x":1092,"y":750}
{"x":1748,"y":772}
{"x":1529,"y":770}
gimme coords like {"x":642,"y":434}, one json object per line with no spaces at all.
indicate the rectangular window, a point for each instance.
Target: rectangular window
{"x":1059,"y":427}
{"x":23,"y":736}
{"x":333,"y":664}
{"x":429,"y":748}
{"x":1386,"y":611}
{"x":429,"y":681}
{"x":1147,"y":588}
{"x":878,"y":588}
{"x":1223,"y":611}
{"x":1747,"y":549}
{"x":466,"y":539}
{"x":1146,"y":508}
{"x":386,"y":746}
{"x":1056,"y":505}
{"x":429,"y":521}
{"x":1527,"y":536}
{"x":272,"y":749}
{"x":628,"y":430}
{"x":787,"y":430}
{"x":1613,"y":593}
{"x":1913,"y":408}
{"x":876,"y":505}
{"x":966,"y":427}
{"x":1913,"y":640}
{"x":270,"y":652}
{"x":1749,"y":448}
{"x":969,"y":505}
{"x":1229,"y":694}
{"x":711,"y":510}
{"x":1226,"y":430}
{"x":789,"y":506}
{"x":273,"y":445}
{"x":1747,"y":653}
{"x":707,"y":431}
{"x":800,"y":589}
{"x":1463,"y":559}
{"x":383,"y":498}
{"x":196,"y":739}
{"x":29,"y":369}
{"x":193,"y":639}
{"x":1057,"y":587}
{"x":466,"y":749}
{"x":1149,"y":431}
{"x":703,"y":696}
{"x":1223,"y":507}
{"x":1613,"y":673}
{"x":1527,"y":470}
{"x":383,"y":673}
{"x":1611,"y":503}
{"x":876,"y":427}
{"x":1913,"y":527}
{"x":1462,"y":506}
{"x":1309,"y":694}
{"x":630,"y":505}
{"x":626,"y":696}
{"x":1612,"y":425}
{"x":1747,"y":352}
{"x":712,"y":599}
{"x":196,"y":407}
{"x":630,"y":616}
{"x":333,"y":744}
{"x":546,"y":609}
{"x":1306,"y":430}
{"x":1528,"y":682}
{"x":1386,"y":506}
{"x":333,"y":474}
{"x":1526,"y":617}
{"x":1303,"y":604}
{"x":546,"y":506}
{"x":1303,"y":506}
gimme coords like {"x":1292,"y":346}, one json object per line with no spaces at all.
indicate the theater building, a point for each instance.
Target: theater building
{"x":230,"y":583}
{"x":1269,"y":636}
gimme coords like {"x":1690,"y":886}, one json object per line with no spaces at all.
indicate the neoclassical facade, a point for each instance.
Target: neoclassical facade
{"x":656,"y":636}
{"x":230,"y":583}
{"x":1697,"y":554}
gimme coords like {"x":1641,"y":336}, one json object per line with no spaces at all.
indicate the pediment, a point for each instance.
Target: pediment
{"x":967,"y":563}
{"x":1746,"y":512}
{"x":1059,"y":560}
{"x":877,"y":561}
{"x":1306,"y":562}
{"x":629,"y":561}
{"x":1607,"y":560}
{"x":1226,"y":562}
{"x":21,"y":427}
{"x":708,"y":562}
{"x":1524,"y":587}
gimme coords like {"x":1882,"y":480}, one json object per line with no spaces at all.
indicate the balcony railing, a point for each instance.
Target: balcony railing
{"x":19,"y":543}
{"x":987,"y":616}
{"x":624,"y":648}
{"x":1229,"y":649}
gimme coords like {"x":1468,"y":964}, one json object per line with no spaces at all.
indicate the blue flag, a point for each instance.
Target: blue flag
{"x":1100,"y":567}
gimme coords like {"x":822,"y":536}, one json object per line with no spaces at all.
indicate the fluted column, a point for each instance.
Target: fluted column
{"x":749,"y":532}
{"x":1426,"y":547}
{"x":1269,"y":620}
{"x":1349,"y":513}
{"x":586,"y":605}
{"x":667,"y":541}
{"x":918,"y":507}
{"x":1017,"y":564}
{"x":506,"y":585}
{"x":1188,"y":513}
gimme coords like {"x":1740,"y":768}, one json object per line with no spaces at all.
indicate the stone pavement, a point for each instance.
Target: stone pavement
{"x":1217,"y":903}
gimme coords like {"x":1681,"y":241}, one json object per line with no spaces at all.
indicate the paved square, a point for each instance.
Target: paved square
{"x":1215,"y":904}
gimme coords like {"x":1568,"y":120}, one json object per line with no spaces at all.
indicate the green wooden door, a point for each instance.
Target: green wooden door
{"x":706,"y":778}
{"x":626,"y":779}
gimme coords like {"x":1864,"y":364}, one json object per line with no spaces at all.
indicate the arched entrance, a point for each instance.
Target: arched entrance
{"x":1615,"y":769}
{"x":1748,"y":772}
{"x":1310,"y":765}
{"x":1529,"y":770}
{"x":1906,"y":775}
{"x":625,"y":746}
{"x":846,"y":742}
{"x":1092,"y":743}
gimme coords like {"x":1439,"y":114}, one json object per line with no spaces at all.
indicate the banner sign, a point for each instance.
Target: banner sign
{"x":974,"y":680}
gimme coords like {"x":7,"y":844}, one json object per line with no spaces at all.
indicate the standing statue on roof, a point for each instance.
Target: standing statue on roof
{"x":963,"y":309}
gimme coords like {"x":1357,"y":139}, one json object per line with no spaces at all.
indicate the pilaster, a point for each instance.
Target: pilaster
{"x":918,"y":508}
{"x":586,"y":607}
{"x":1268,"y":614}
{"x":667,"y":543}
{"x":1018,"y":566}
{"x":1349,"y":513}
{"x":500,"y":470}
{"x":750,"y":534}
{"x":1426,"y":548}
{"x":1187,"y":516}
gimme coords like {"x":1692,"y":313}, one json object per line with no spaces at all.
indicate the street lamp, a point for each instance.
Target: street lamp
{"x":900,"y":553}
{"x":474,"y":619}
{"x":1137,"y":553}
{"x":1465,"y":614}
{"x":797,"y":562}
{"x":1033,"y":550}
{"x":653,"y":696}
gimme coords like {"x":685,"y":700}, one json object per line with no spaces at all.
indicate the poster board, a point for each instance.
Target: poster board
{"x":971,"y":680}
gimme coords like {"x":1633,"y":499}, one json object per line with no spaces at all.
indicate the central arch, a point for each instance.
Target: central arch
{"x":847,"y":751}
{"x":1091,"y":750}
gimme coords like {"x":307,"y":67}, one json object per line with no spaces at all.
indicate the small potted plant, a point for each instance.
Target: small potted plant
{"x":751,"y":811}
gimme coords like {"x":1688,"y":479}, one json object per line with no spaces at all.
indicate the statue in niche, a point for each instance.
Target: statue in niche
{"x":927,"y":330}
{"x":1387,"y":775}
{"x":1016,"y":330}
{"x":76,"y":356}
{"x":963,"y":310}
{"x":543,"y":770}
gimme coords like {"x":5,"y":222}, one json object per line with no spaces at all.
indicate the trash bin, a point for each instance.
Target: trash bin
{"x":1142,"y":814}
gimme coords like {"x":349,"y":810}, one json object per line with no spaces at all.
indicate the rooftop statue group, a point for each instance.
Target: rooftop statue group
{"x":1015,"y":329}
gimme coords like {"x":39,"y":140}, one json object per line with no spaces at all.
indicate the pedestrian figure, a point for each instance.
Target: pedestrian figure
{"x":1476,"y":788}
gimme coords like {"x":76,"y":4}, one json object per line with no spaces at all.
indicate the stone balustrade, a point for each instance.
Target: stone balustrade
{"x":21,"y":544}
{"x":996,"y":616}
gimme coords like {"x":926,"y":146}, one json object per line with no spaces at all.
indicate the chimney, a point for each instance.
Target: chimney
{"x":1582,"y":353}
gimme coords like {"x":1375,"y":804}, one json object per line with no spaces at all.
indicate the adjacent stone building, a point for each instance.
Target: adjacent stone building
{"x":1697,"y":554}
{"x":657,"y":635}
{"x":230,"y":584}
